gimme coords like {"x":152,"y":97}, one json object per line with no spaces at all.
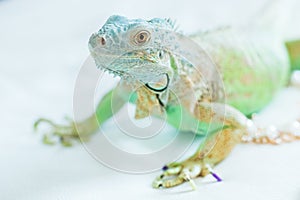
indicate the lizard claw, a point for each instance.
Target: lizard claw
{"x":179,"y":173}
{"x":64,"y":134}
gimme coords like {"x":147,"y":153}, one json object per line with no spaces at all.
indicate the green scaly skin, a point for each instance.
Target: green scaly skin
{"x":251,"y":72}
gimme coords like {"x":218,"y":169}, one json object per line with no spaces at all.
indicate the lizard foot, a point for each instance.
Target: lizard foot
{"x":64,"y":134}
{"x":178,"y":173}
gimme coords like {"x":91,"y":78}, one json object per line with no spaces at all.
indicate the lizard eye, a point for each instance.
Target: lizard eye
{"x":141,"y":37}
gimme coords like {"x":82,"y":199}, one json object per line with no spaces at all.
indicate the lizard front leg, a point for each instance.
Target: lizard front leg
{"x":83,"y":129}
{"x":217,"y":145}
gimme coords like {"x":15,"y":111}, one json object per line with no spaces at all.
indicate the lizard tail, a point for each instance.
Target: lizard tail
{"x":293,"y":48}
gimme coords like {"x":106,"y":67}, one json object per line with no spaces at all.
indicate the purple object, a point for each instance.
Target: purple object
{"x":216,"y":177}
{"x":165,"y":168}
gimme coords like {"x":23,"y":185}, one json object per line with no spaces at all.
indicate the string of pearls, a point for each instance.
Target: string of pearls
{"x":271,"y":134}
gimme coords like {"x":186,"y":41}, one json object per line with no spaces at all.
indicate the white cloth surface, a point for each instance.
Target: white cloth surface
{"x":42,"y":45}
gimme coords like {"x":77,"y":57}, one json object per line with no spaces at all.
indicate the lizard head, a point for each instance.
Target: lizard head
{"x":134,"y":49}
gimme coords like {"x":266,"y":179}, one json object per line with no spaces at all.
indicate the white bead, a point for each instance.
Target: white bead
{"x":295,"y":128}
{"x":251,"y":128}
{"x":272,"y":132}
{"x":295,"y":79}
{"x":296,"y":124}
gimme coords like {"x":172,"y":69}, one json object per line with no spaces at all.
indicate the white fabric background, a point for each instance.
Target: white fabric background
{"x":42,"y":45}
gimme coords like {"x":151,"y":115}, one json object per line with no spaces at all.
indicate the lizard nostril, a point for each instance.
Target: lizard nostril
{"x":102,"y":41}
{"x":97,"y":40}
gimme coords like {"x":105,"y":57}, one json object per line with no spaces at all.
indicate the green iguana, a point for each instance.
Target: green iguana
{"x":227,"y":76}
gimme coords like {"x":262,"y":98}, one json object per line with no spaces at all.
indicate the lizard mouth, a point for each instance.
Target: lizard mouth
{"x":134,"y":66}
{"x":158,"y":90}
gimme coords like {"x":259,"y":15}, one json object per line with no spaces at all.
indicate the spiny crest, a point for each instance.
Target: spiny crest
{"x":114,"y":22}
{"x":117,"y":19}
{"x":120,"y":23}
{"x":164,"y":23}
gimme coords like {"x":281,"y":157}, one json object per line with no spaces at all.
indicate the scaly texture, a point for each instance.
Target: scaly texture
{"x":206,"y":83}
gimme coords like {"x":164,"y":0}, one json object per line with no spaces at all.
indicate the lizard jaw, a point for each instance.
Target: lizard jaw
{"x":155,"y":90}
